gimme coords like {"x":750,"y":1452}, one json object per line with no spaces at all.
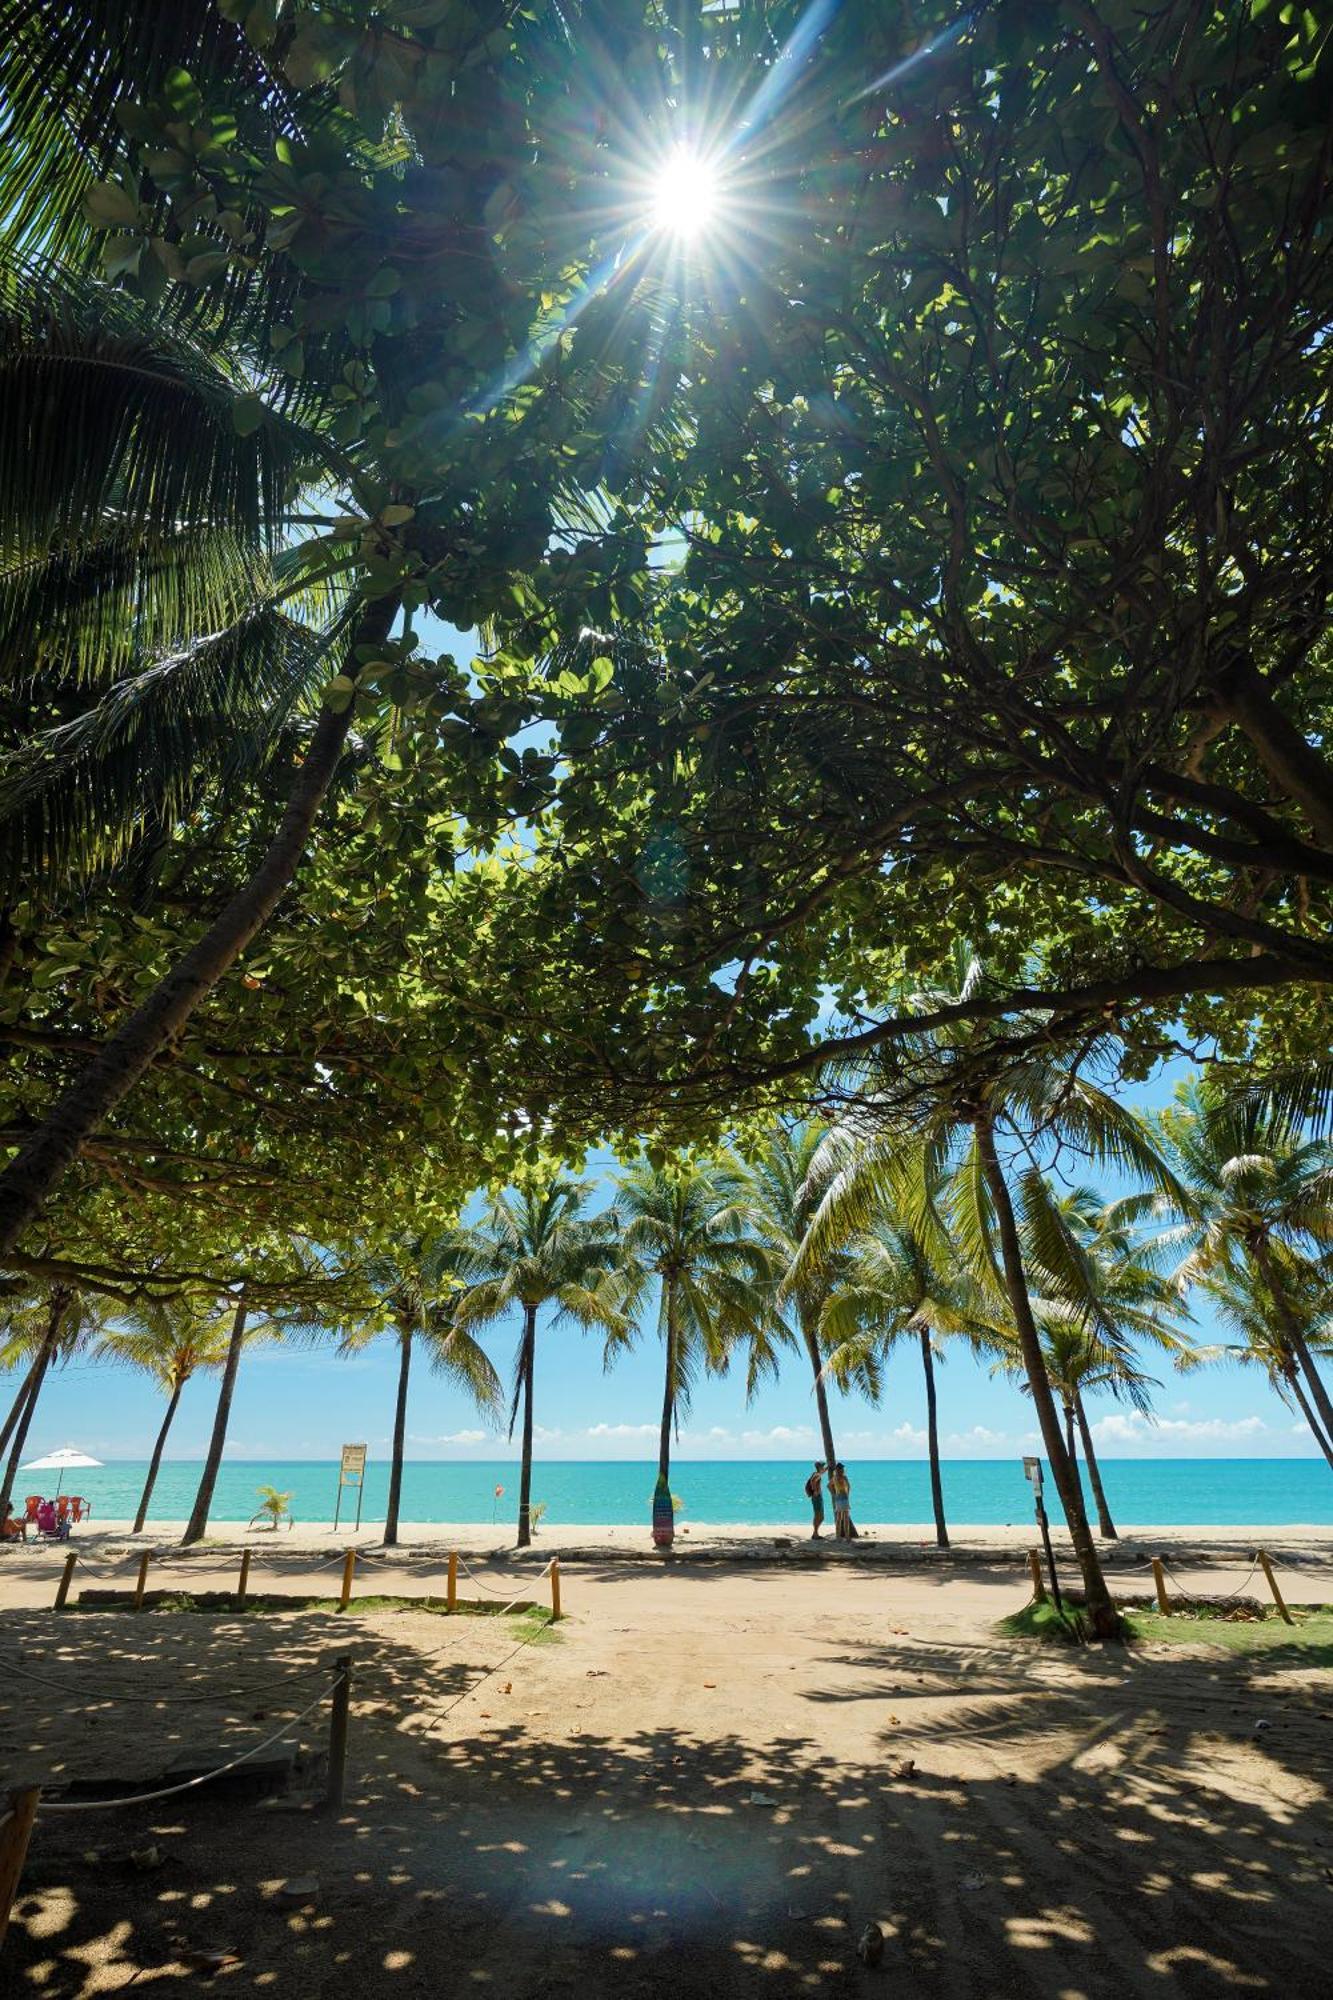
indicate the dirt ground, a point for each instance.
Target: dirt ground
{"x":695,"y":1786}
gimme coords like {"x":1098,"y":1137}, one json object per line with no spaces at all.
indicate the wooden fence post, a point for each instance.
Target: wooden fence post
{"x":15,"y":1828}
{"x":349,"y":1571}
{"x":1159,"y":1580}
{"x":142,"y":1582}
{"x":1038,"y":1581}
{"x":243,"y":1580}
{"x":342,"y":1697}
{"x":555,"y":1590}
{"x":1267,"y":1569}
{"x":66,"y":1579}
{"x":451,"y":1587}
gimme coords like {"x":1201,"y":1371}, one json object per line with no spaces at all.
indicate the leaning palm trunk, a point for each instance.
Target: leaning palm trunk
{"x":155,"y":1462}
{"x":525,"y":1470}
{"x":399,"y":1439}
{"x":20,"y":1402}
{"x":1105,"y":1525}
{"x":32,"y":1390}
{"x":1294,"y":1335}
{"x":933,"y":1443}
{"x":1293,"y":1382}
{"x":118,"y":1066}
{"x":197,"y":1525}
{"x":1101,"y":1611}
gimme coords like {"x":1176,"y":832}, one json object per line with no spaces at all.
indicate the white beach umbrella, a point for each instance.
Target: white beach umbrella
{"x":61,"y":1461}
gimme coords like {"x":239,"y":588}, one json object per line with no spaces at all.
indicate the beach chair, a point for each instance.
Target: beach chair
{"x":78,"y":1507}
{"x":31,"y":1504}
{"x":62,"y":1508}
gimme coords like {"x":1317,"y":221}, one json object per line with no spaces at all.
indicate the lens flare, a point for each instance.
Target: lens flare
{"x":684,"y":195}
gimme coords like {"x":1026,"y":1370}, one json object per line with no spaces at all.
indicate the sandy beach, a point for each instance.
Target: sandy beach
{"x":707,"y":1780}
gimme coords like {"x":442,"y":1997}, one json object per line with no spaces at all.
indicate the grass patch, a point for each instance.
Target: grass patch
{"x":1038,"y":1621}
{"x":1308,"y":1639}
{"x":222,"y":1603}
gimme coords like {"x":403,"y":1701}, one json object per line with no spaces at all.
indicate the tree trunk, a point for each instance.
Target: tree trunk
{"x":1285,"y":751}
{"x":1101,"y":1612}
{"x":1294,"y":1333}
{"x":21,"y":1432}
{"x":59,"y":1300}
{"x":933,"y":1443}
{"x":20,"y":1401}
{"x":156,"y":1460}
{"x":669,"y":1394}
{"x":1105,"y":1525}
{"x":1070,"y":1446}
{"x":197,"y":1525}
{"x":399,"y":1439}
{"x":122,"y":1060}
{"x":1293,"y":1382}
{"x":529,"y":1356}
{"x":821,"y":1404}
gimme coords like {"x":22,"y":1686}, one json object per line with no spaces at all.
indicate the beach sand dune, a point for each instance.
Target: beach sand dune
{"x":707,"y":1782}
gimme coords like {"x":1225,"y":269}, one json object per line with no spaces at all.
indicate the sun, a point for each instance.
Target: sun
{"x":684,"y":194}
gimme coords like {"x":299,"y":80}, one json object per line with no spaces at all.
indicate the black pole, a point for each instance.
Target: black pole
{"x":1044,"y":1525}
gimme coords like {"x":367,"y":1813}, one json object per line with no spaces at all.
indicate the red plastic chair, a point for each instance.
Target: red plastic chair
{"x":78,"y":1507}
{"x":62,"y":1506}
{"x":32,"y":1502}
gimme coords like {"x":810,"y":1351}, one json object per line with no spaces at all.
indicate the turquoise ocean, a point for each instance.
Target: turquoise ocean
{"x":1211,"y":1492}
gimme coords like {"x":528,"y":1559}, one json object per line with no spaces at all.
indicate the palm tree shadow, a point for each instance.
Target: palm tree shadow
{"x":1084,"y":1824}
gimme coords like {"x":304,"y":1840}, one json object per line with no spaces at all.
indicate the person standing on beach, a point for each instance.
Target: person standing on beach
{"x":840,"y":1487}
{"x":814,"y":1493}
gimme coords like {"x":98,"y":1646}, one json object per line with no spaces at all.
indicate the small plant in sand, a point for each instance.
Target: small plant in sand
{"x":274,"y":1507}
{"x":535,"y":1514}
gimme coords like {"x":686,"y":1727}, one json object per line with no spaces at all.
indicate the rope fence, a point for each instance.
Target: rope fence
{"x":189,"y":1784}
{"x":1232,"y":1600}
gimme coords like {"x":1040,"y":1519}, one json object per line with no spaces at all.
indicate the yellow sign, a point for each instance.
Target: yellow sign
{"x":351,"y":1472}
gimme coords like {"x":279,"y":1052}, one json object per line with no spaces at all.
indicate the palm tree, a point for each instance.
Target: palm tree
{"x":536,"y":1249}
{"x":171,"y":1342}
{"x":899,"y":1286}
{"x":783,"y":1185}
{"x":57,"y":1318}
{"x":414,"y":1280}
{"x":1100,"y":1293}
{"x":1256,"y":1192}
{"x":934,"y":1110}
{"x":685,"y":1233}
{"x":1244,"y":1303}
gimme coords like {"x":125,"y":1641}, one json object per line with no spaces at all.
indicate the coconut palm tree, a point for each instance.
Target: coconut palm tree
{"x":686,"y":1237}
{"x":416,"y":1281}
{"x":171,"y":1342}
{"x":1245,"y":1304}
{"x":1099,"y":1293}
{"x":783,"y":1183}
{"x":53,"y":1322}
{"x":536,"y":1249}
{"x":900,"y":1285}
{"x":1256,"y":1192}
{"x":945,"y":1108}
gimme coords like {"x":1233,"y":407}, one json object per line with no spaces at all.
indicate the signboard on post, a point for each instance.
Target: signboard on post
{"x":1032,"y":1471}
{"x":351,"y":1472}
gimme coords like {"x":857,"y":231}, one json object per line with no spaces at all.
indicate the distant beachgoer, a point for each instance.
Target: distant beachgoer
{"x":840,"y":1487}
{"x":10,"y":1529}
{"x":814,"y":1493}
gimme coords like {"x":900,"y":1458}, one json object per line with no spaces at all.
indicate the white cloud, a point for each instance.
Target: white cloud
{"x":1128,"y":1427}
{"x":622,"y":1431}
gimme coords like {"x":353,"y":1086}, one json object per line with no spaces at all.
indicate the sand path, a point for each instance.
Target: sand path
{"x":692,"y":1791}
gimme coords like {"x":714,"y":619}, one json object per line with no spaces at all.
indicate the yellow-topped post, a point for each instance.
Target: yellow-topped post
{"x":349,"y":1571}
{"x":451,"y":1587}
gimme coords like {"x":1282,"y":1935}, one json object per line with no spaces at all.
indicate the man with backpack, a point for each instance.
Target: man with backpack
{"x":814,"y":1493}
